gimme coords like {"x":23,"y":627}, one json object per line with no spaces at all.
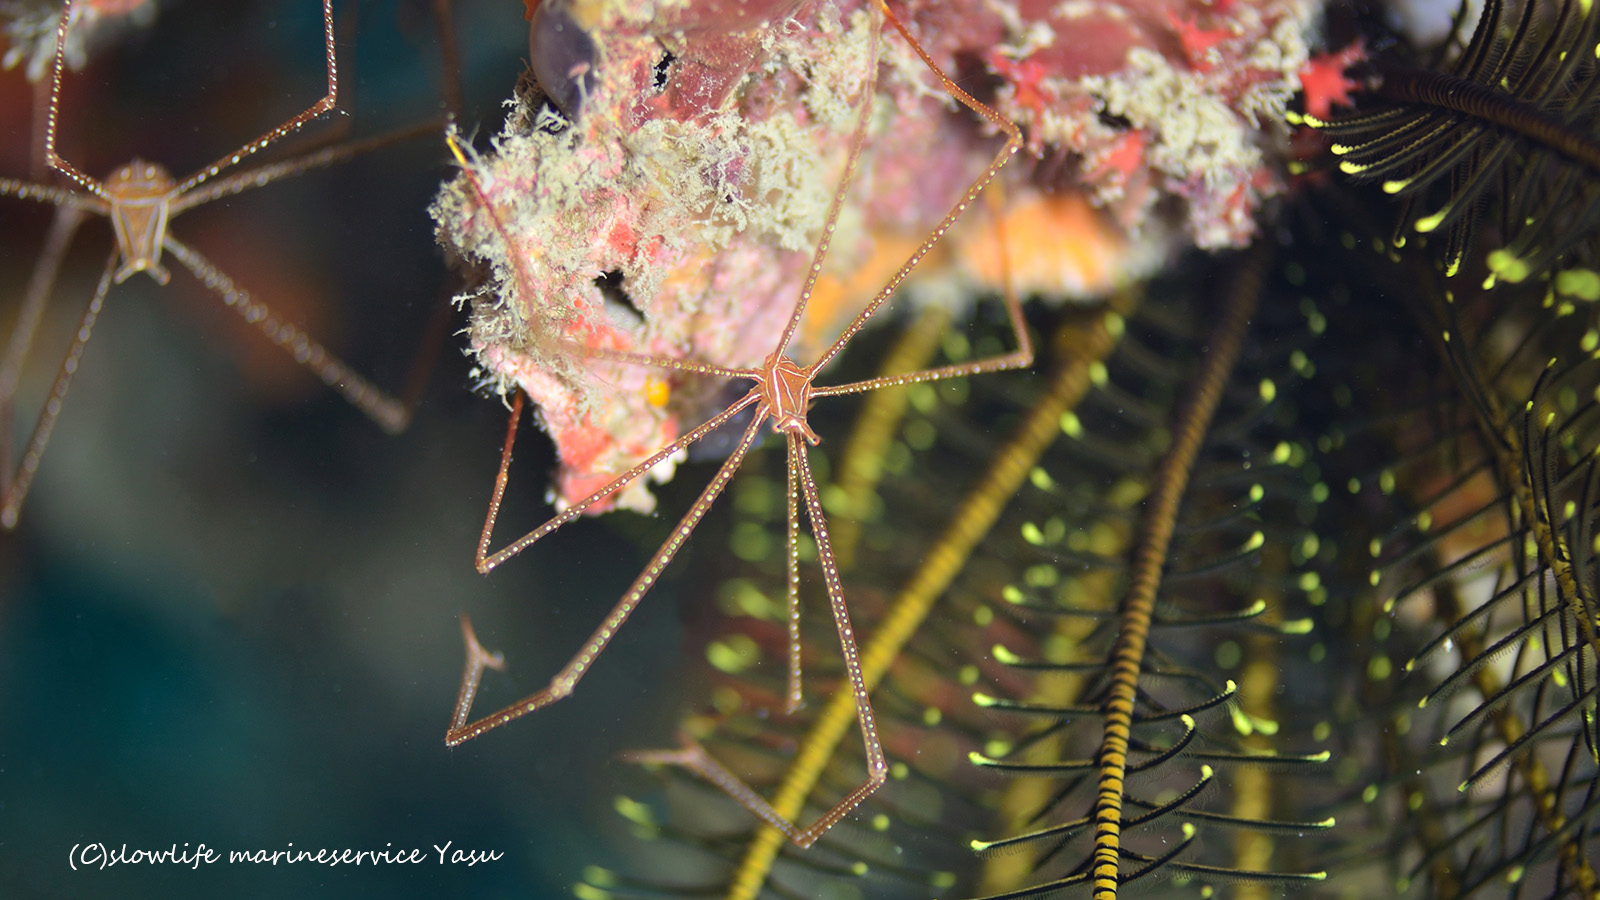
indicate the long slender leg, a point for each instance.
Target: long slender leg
{"x":1020,"y":358}
{"x":262,"y":176}
{"x":55,"y":196}
{"x":46,"y":269}
{"x":1001,"y":157}
{"x":389,"y":413}
{"x":694,"y":757}
{"x":481,"y":560}
{"x":569,"y":676}
{"x":328,"y":102}
{"x":691,"y":366}
{"x":17,"y":482}
{"x":478,"y":659}
{"x":857,"y":140}
{"x":331,"y":155}
{"x":795,"y":696}
{"x":486,"y":562}
{"x":52,"y":116}
{"x":444,"y":19}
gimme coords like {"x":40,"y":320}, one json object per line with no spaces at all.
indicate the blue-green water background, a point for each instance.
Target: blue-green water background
{"x":229,"y":615}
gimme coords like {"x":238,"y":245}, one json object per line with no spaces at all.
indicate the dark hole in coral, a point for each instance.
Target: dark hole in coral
{"x":662,"y":69}
{"x":974,"y":76}
{"x":615,"y":295}
{"x":1111,"y":120}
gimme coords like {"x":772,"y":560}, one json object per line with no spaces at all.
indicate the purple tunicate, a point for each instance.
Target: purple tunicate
{"x":562,"y":56}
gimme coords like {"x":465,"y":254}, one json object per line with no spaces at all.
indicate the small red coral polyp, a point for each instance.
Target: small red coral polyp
{"x":1323,"y":82}
{"x":1198,"y":42}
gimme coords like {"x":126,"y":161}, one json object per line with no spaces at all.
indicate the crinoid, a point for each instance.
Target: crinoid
{"x":782,"y":393}
{"x":1503,"y":137}
{"x":140,"y":199}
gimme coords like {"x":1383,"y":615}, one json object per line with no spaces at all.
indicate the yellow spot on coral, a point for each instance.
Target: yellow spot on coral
{"x":657,"y":392}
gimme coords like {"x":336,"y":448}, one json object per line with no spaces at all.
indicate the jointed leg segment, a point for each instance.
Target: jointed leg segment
{"x":569,"y":676}
{"x":390,"y":414}
{"x":15,"y":488}
{"x":692,"y":756}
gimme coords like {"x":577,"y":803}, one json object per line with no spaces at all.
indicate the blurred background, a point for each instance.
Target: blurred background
{"x":229,"y":614}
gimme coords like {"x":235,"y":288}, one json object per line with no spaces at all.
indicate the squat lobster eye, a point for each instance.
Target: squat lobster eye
{"x":657,"y":392}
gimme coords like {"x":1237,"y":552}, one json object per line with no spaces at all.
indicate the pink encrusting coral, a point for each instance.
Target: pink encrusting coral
{"x":670,"y":205}
{"x":1160,"y":99}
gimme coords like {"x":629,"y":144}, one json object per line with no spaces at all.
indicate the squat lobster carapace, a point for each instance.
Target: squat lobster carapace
{"x":782,"y":393}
